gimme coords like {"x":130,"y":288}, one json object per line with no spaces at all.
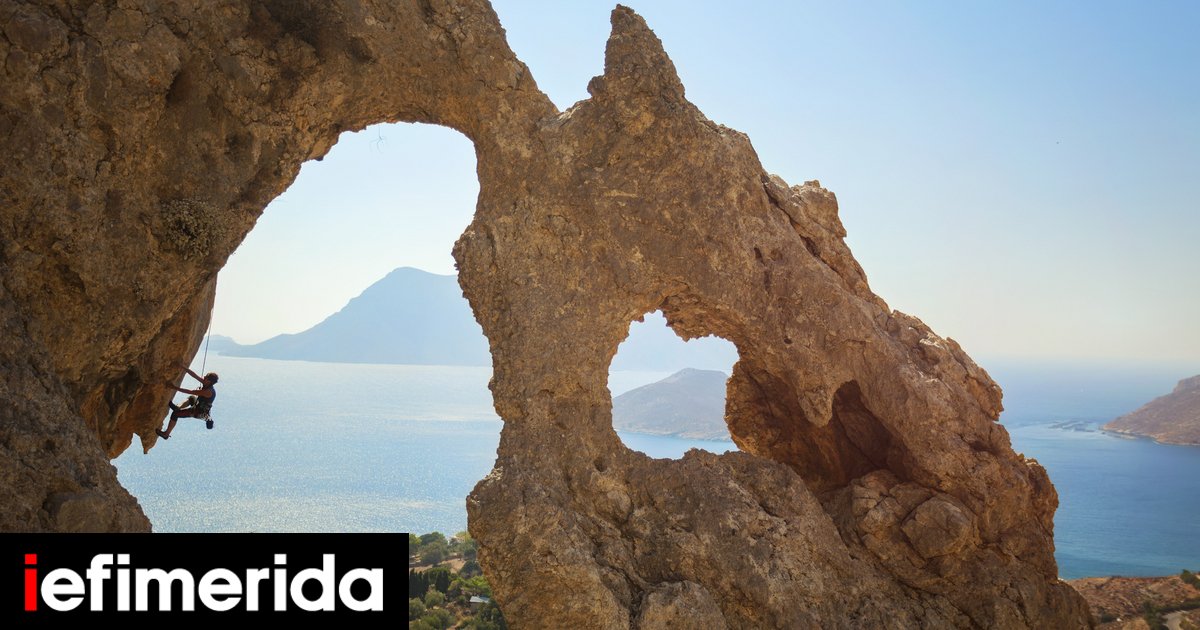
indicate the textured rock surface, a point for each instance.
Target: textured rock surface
{"x":1125,"y":597}
{"x":875,"y":488}
{"x":1172,"y":419}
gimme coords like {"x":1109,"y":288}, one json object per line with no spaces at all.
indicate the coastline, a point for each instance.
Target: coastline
{"x":678,"y":436}
{"x":1130,"y":435}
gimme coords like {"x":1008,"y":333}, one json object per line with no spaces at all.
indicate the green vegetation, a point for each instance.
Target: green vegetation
{"x":1187,"y":604}
{"x":1190,"y":578}
{"x":1153,"y":616}
{"x":440,"y":596}
{"x":434,"y":548}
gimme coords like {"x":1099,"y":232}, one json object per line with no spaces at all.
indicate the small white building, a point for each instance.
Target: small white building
{"x":477,"y":602}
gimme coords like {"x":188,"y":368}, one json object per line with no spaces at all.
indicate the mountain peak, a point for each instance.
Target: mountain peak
{"x":690,"y":373}
{"x":409,"y":316}
{"x":416,"y":272}
{"x":689,"y":403}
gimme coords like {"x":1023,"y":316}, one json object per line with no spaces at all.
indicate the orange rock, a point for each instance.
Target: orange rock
{"x":874,"y":489}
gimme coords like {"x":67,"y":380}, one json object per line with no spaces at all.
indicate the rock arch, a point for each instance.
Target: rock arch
{"x":876,"y":488}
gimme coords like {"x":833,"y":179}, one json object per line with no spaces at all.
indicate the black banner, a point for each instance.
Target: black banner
{"x":52,"y":579}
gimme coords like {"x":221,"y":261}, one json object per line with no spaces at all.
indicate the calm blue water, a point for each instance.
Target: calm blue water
{"x":341,"y":447}
{"x":1126,"y":506}
{"x":303,"y":447}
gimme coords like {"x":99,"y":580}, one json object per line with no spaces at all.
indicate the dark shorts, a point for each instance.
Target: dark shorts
{"x":200,"y":411}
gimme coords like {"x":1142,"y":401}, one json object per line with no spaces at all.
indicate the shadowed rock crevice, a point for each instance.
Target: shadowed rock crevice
{"x":850,"y":443}
{"x":876,"y":489}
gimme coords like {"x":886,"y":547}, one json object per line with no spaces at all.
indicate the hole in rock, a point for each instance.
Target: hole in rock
{"x":668,"y":394}
{"x":353,"y":393}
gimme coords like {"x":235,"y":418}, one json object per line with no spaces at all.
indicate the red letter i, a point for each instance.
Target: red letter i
{"x":31,"y":582}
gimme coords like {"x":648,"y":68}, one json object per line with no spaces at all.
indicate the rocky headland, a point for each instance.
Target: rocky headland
{"x":1170,"y":419}
{"x":874,"y":487}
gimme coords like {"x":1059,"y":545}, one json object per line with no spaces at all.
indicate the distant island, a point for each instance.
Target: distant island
{"x":688,"y":404}
{"x":419,"y":318}
{"x":1171,"y":419}
{"x":410,"y":316}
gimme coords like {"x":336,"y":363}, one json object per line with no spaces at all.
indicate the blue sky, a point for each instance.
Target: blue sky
{"x":1025,"y":177}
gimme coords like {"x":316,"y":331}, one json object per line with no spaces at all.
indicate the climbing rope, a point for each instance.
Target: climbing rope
{"x":208,"y":338}
{"x":208,"y":335}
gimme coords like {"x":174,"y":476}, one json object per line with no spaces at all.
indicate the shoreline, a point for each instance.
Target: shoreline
{"x":677,"y":436}
{"x":1130,"y":435}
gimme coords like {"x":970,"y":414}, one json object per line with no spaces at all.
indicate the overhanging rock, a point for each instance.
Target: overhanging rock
{"x":874,"y":489}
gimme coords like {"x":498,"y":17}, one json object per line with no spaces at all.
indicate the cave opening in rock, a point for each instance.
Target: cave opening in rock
{"x":353,"y":392}
{"x":669,"y":394}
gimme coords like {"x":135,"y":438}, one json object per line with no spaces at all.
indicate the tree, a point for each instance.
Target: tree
{"x":1190,"y":578}
{"x":489,"y":617}
{"x":418,"y":583}
{"x":477,"y":585}
{"x":470,"y":568}
{"x":439,"y":619}
{"x":433,"y":537}
{"x":431,"y":548}
{"x":455,"y":591}
{"x":439,"y":578}
{"x":461,"y":543}
{"x":416,"y":608}
{"x":470,"y":550}
{"x":433,"y":599}
{"x":433,"y":553}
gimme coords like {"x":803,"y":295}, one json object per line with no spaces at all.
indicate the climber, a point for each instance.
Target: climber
{"x":198,"y":404}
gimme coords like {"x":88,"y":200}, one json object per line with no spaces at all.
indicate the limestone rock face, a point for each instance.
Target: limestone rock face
{"x":874,"y":488}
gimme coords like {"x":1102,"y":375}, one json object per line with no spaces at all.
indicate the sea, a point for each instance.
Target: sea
{"x":332,"y":447}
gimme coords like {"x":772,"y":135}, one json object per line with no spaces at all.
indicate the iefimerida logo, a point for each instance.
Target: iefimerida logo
{"x":109,"y":583}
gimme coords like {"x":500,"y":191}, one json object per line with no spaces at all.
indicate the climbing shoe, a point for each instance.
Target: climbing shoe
{"x":208,"y":423}
{"x":173,"y":406}
{"x":162,"y":435}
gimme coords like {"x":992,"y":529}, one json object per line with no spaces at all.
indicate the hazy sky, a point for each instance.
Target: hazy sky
{"x":1023,"y":176}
